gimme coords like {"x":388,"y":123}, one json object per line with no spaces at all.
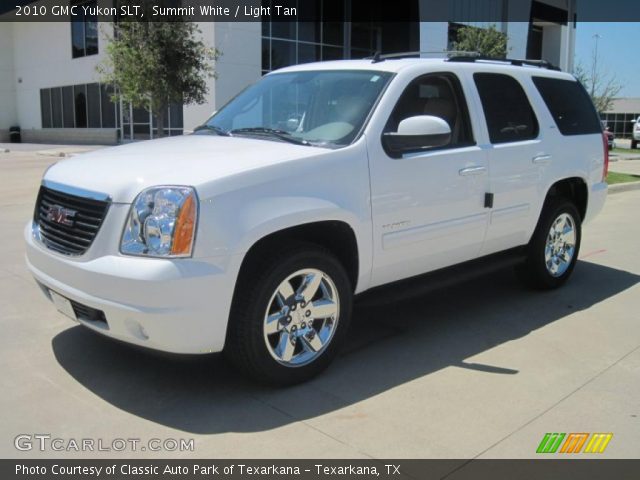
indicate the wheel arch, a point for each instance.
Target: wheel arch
{"x":337,"y":236}
{"x":573,"y":188}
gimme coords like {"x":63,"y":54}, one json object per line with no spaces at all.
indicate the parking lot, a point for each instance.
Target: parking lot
{"x":482,"y":369}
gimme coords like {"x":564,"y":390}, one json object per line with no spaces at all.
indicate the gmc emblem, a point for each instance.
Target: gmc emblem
{"x":61,"y":215}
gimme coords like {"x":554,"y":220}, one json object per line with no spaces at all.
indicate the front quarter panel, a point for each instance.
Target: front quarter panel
{"x":236,"y":212}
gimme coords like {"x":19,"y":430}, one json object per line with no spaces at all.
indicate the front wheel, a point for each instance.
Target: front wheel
{"x":553,"y":250}
{"x":290,"y":315}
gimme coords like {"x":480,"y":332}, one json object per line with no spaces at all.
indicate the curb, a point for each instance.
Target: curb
{"x":624,"y":187}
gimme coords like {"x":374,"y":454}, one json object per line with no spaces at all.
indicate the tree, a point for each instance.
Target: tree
{"x":602,"y":86}
{"x":488,"y":42}
{"x":155,"y":64}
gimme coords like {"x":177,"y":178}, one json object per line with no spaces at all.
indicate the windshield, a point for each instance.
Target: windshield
{"x":313,"y":107}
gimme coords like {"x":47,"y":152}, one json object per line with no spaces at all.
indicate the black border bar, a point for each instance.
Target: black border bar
{"x":547,"y":469}
{"x":354,"y":11}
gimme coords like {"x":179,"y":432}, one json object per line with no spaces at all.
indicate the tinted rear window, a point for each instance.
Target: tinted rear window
{"x":569,"y":105}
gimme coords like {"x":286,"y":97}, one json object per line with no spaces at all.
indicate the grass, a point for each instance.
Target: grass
{"x":615,"y":177}
{"x":625,"y":150}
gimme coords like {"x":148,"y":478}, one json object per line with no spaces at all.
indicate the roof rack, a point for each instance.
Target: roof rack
{"x":378,"y":57}
{"x":513,"y":61}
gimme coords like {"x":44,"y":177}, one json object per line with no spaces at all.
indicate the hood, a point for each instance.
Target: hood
{"x":124,"y":171}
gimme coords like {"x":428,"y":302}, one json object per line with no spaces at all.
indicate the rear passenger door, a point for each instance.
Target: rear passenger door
{"x":516,"y":159}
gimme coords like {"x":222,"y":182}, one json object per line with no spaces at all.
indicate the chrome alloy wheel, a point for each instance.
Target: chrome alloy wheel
{"x":561,"y":245}
{"x":301,"y":317}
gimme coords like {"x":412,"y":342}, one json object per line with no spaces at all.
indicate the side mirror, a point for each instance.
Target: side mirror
{"x":415,"y":134}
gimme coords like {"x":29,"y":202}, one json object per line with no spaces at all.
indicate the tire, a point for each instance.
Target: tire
{"x":271,"y":306}
{"x":549,"y":263}
{"x":634,"y":144}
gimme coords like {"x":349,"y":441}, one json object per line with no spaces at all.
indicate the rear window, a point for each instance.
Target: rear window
{"x":569,"y":105}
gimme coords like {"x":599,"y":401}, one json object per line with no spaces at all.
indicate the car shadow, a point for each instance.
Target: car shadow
{"x":387,"y":346}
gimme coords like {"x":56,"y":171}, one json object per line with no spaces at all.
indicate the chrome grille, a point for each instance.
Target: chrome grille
{"x":67,"y":223}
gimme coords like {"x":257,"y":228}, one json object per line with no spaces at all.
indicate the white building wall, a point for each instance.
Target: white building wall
{"x":42,"y":59}
{"x":517,"y":36}
{"x":239,"y":65}
{"x":434,"y":36}
{"x":8,"y":112}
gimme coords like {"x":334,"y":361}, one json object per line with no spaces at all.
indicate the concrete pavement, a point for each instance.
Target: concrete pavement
{"x":482,"y":369}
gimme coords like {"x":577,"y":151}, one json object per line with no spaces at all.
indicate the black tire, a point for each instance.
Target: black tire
{"x":634,"y":144}
{"x":246,"y":344}
{"x":534,"y":272}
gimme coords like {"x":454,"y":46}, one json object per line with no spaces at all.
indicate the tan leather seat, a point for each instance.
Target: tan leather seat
{"x":444,"y":108}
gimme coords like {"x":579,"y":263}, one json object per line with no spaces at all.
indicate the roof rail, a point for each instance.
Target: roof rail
{"x":513,"y":61}
{"x":377,"y":57}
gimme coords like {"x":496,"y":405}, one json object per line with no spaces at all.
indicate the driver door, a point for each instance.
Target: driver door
{"x":429,"y":205}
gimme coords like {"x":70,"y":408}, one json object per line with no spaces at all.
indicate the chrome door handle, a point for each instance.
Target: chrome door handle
{"x":465,"y":172}
{"x":541,"y":159}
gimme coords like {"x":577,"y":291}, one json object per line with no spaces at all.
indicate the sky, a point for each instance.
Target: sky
{"x":618,"y":48}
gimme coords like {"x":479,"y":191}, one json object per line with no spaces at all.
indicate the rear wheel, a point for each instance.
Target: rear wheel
{"x":553,"y":250}
{"x":290,"y":315}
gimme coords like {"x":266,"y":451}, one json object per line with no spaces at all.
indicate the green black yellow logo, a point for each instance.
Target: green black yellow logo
{"x":573,"y":442}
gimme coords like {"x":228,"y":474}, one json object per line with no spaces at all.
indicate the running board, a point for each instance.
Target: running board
{"x":442,"y":278}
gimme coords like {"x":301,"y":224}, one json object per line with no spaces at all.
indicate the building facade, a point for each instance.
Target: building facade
{"x":50,"y":88}
{"x":622,"y":115}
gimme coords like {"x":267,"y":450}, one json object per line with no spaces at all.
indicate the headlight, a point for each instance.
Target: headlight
{"x":161,"y":223}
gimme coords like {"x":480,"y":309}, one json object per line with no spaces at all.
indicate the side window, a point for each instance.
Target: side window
{"x":569,"y":105}
{"x":439,"y":95}
{"x":507,"y":110}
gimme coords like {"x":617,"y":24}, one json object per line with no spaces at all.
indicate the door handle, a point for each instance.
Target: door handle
{"x":466,"y":172}
{"x":541,"y":159}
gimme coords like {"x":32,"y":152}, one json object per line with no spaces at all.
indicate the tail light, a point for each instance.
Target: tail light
{"x":605,"y":169}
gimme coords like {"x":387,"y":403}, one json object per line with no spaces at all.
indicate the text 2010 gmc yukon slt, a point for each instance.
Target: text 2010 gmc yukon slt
{"x":319,"y":182}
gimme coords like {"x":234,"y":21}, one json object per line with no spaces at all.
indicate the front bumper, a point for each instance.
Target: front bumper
{"x":173,"y":305}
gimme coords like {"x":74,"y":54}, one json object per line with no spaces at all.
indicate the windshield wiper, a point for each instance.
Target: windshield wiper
{"x":281,"y":134}
{"x":212,"y":128}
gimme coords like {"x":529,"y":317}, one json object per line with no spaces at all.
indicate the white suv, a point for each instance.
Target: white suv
{"x":319,"y":182}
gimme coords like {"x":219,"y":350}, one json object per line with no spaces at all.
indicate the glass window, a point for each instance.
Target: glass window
{"x":308,"y":53}
{"x":175,"y":115}
{"x":109,"y":110}
{"x":569,"y":105}
{"x":283,"y":30}
{"x":266,"y":54}
{"x":45,"y":107}
{"x":84,"y":31}
{"x":283,"y":54}
{"x":332,"y":30}
{"x":309,"y":31}
{"x":77,"y":37}
{"x":93,"y":101}
{"x":327,"y":108}
{"x":507,"y":110}
{"x":438,"y":95}
{"x":56,"y":107}
{"x":290,"y":43}
{"x":80,"y":101}
{"x":91,"y":35}
{"x":331,"y":53}
{"x":68,"y":110}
